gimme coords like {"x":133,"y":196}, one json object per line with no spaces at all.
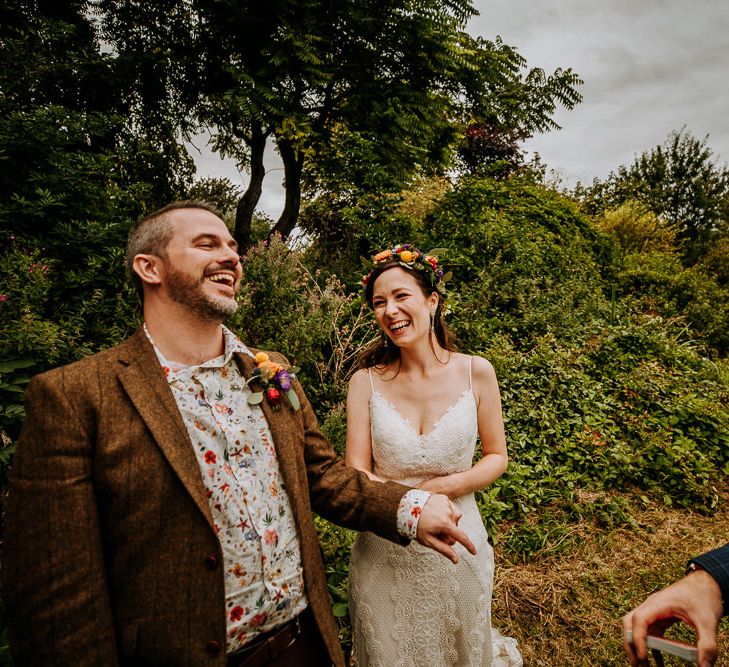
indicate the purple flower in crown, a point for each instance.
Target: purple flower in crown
{"x":283,"y":379}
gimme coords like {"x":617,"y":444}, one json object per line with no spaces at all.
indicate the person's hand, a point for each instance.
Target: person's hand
{"x":445,"y":485}
{"x":695,"y":599}
{"x":372,"y":477}
{"x":438,"y":527}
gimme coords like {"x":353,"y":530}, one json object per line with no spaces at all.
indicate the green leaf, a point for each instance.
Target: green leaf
{"x":255,"y":398}
{"x":293,"y":399}
{"x":340,"y":609}
{"x":446,"y":277}
{"x":437,"y":252}
{"x":368,"y":264}
{"x":294,"y":370}
{"x":9,"y":366}
{"x":10,"y":387}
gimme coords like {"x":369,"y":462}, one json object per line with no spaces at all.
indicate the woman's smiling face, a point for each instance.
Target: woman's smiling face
{"x":401,"y":308}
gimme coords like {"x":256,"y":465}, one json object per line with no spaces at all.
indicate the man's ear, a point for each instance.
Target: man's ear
{"x":148,"y":268}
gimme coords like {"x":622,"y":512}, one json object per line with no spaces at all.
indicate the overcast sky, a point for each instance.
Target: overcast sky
{"x":649,"y":66}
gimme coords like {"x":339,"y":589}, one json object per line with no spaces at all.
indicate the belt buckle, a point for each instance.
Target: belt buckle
{"x":296,"y":635}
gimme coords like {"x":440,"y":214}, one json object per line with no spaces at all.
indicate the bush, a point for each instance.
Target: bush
{"x":305,"y":315}
{"x":524,"y":261}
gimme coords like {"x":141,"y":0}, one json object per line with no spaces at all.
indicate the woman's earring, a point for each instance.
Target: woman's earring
{"x":432,"y":321}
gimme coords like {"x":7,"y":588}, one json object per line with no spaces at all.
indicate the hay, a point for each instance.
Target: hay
{"x":566,"y":609}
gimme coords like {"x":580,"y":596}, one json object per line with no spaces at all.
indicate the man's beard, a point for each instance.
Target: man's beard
{"x":186,"y":290}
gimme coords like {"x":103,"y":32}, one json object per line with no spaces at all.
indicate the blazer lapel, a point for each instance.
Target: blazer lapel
{"x":144,"y":381}
{"x":283,"y":432}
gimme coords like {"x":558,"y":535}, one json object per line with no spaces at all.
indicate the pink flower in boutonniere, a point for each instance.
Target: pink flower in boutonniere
{"x":274,"y":380}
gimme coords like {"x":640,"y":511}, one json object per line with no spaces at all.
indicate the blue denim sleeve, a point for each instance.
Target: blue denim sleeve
{"x":716,"y":563}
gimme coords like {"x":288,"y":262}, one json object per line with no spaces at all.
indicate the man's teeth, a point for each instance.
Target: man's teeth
{"x":399,"y":326}
{"x":221,"y":278}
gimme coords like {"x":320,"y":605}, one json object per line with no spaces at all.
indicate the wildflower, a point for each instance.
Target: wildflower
{"x":283,"y":380}
{"x":272,"y":380}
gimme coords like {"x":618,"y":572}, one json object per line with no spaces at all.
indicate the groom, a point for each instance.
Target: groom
{"x":155,"y":516}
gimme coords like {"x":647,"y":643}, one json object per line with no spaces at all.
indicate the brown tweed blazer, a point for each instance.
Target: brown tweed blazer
{"x":110,"y":556}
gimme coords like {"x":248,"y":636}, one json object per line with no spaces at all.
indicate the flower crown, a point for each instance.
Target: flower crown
{"x":410,"y":257}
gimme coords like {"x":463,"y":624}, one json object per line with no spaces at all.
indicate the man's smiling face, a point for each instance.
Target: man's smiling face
{"x":202,"y":267}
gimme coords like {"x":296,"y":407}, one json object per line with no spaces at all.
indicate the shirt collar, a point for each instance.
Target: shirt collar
{"x":231,"y":345}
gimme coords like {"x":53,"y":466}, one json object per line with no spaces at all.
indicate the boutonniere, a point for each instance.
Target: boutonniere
{"x":274,"y":380}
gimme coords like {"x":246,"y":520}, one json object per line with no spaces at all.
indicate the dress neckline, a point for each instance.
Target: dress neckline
{"x":436,"y":423}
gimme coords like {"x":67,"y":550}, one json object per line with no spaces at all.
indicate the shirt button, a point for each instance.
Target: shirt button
{"x":211,"y":562}
{"x":212,"y":647}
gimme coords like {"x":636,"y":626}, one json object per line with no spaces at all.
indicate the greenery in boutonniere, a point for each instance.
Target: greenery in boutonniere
{"x":274,"y":380}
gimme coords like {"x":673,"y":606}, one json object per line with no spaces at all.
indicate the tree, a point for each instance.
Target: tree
{"x":74,"y":172}
{"x":679,"y":181}
{"x":68,"y":152}
{"x":379,"y":91}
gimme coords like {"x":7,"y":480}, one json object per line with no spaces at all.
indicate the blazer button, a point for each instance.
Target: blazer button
{"x":212,"y":647}
{"x":211,"y":562}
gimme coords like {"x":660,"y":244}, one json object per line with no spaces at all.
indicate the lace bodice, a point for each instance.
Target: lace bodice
{"x":400,"y":453}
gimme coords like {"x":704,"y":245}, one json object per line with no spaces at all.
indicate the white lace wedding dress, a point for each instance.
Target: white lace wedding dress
{"x":410,"y":606}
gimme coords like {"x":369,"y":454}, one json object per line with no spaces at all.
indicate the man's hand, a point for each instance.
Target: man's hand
{"x":438,"y":527}
{"x":695,"y":599}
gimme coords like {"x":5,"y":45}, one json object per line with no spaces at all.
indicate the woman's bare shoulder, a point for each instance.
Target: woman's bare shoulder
{"x":482,"y":372}
{"x":359,"y":378}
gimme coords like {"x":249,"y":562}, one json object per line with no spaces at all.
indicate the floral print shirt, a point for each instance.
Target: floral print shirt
{"x":252,"y":516}
{"x":408,"y":512}
{"x":264,"y":585}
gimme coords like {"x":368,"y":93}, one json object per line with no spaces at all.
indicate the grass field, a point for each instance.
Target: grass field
{"x":565,"y":609}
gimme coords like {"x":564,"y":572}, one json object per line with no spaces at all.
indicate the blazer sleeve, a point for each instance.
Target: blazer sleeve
{"x":54,"y":585}
{"x":716,"y":563}
{"x":344,"y":495}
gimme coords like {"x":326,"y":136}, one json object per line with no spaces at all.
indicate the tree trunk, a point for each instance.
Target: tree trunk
{"x":293,"y":162}
{"x":248,"y":202}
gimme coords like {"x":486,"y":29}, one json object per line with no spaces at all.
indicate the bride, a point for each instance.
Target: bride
{"x":414,"y":412}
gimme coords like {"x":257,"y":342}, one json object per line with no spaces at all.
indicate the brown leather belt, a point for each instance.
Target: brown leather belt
{"x":268,"y":646}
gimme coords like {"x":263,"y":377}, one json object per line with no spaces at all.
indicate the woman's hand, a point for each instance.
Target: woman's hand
{"x":447,"y":485}
{"x":372,"y":476}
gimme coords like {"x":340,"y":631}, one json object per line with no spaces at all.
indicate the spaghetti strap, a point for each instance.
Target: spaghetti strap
{"x":369,"y":373}
{"x":470,"y":374}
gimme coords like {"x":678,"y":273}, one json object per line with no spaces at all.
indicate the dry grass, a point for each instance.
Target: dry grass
{"x":565,"y":610}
